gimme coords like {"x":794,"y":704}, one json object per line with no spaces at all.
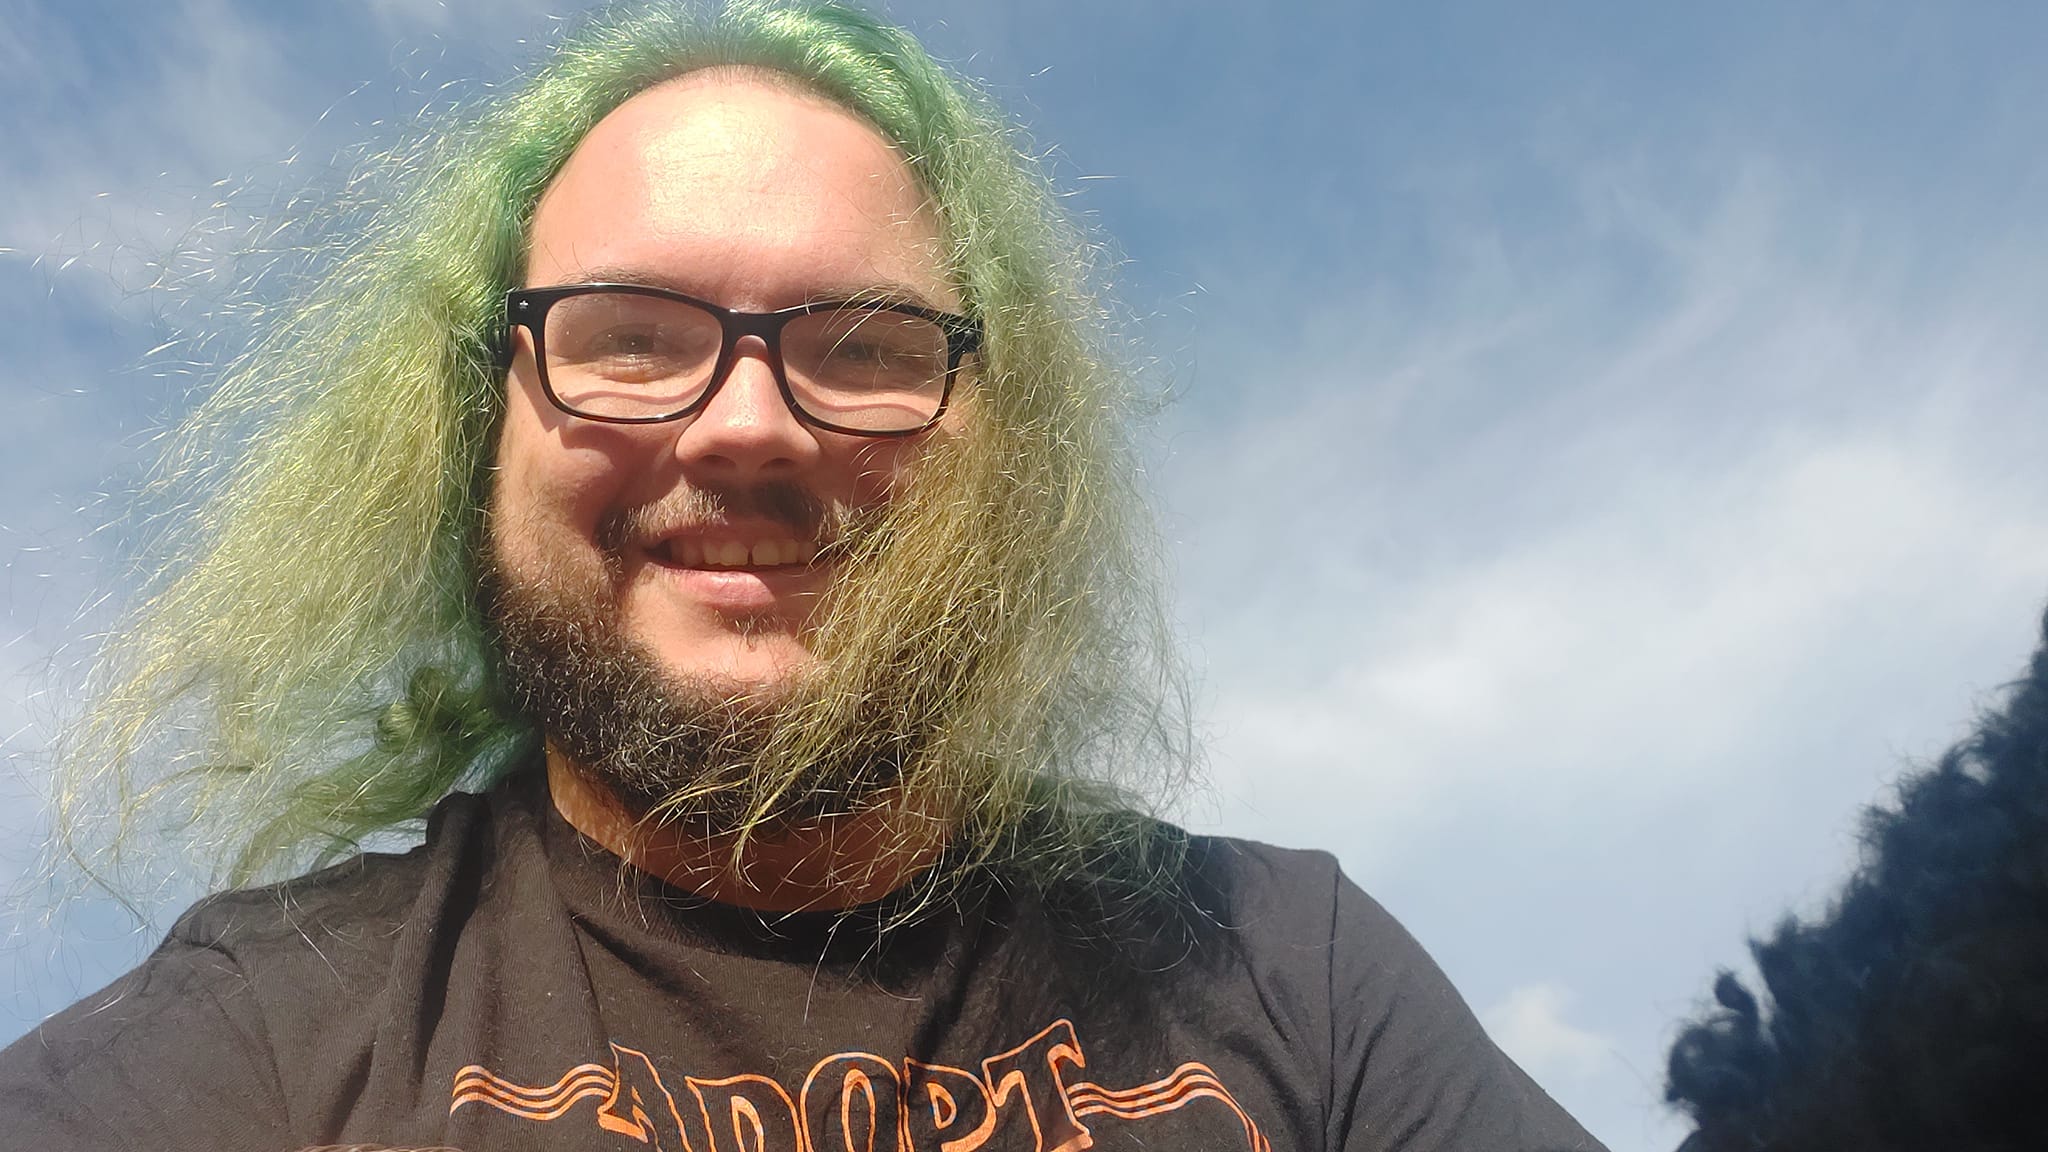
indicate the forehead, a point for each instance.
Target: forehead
{"x":735,"y":187}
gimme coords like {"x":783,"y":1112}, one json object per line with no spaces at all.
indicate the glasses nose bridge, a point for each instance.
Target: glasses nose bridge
{"x":767,"y":326}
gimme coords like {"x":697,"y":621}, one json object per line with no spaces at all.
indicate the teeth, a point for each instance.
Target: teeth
{"x":690,"y":552}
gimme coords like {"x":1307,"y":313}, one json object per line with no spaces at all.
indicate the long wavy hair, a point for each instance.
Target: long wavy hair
{"x":1914,"y":1014}
{"x":308,"y":666}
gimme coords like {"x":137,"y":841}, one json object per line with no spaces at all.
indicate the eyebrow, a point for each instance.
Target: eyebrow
{"x":880,"y":291}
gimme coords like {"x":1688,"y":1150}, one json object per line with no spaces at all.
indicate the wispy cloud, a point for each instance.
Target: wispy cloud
{"x":404,"y":18}
{"x":208,"y":101}
{"x":1631,"y":542}
{"x":1530,"y":1025}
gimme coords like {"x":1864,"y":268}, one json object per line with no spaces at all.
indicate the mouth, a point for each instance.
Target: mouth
{"x":734,"y":553}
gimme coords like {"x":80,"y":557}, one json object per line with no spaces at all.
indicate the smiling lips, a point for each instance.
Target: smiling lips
{"x":732,"y":553}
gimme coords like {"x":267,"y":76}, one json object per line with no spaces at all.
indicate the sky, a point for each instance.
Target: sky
{"x":1600,"y":456}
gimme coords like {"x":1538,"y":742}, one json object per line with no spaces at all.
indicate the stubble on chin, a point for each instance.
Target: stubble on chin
{"x":602,"y":699}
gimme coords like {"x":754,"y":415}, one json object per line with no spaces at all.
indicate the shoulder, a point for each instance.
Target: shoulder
{"x":236,"y":956}
{"x":354,"y":903}
{"x":1223,"y":911}
{"x":1399,"y":1049}
{"x":1295,"y":916}
{"x":1252,"y":862}
{"x":1299,"y":896}
{"x":1296,"y":923}
{"x":357,"y":894}
{"x":244,"y":983}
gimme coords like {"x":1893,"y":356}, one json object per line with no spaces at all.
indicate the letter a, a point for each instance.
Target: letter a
{"x":640,"y":1105}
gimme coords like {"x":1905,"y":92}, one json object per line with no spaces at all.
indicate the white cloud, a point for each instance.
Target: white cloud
{"x":1529,"y":1025}
{"x":1629,"y":653}
{"x":1630,"y":573}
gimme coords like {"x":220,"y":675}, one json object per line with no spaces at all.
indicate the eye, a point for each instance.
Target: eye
{"x":857,"y":350}
{"x":628,"y":337}
{"x":627,"y":342}
{"x":866,"y":350}
{"x":640,"y":351}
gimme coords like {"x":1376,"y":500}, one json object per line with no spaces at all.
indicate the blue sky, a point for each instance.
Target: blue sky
{"x":1603,"y":451}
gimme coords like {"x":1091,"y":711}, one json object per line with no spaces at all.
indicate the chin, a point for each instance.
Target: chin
{"x":739,"y":661}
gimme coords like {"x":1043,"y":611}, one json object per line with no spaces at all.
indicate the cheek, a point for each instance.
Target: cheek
{"x":875,"y":471}
{"x":550,"y":488}
{"x":879,"y":467}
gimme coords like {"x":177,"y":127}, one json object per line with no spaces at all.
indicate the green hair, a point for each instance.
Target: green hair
{"x":310,"y":666}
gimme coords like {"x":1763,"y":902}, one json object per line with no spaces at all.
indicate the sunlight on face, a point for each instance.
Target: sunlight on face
{"x":735,"y":189}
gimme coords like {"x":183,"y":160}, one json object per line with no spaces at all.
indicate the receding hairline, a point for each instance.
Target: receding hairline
{"x":777,"y":80}
{"x":763,"y":74}
{"x":741,"y":75}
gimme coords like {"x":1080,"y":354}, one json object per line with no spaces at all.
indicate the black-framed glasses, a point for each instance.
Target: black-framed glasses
{"x":635,"y":354}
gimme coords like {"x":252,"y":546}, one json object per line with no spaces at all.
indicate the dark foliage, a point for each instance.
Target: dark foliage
{"x":1915,"y":1014}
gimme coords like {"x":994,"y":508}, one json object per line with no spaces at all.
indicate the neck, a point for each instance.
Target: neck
{"x":823,"y":864}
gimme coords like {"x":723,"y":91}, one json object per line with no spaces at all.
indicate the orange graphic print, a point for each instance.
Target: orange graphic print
{"x":1188,"y":1082}
{"x":857,"y":1102}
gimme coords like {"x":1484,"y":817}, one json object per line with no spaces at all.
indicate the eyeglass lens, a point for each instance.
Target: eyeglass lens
{"x":630,"y":356}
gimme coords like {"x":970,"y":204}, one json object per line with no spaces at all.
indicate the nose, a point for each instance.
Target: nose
{"x":746,"y":430}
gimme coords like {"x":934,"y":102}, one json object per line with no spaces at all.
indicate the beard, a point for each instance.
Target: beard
{"x":990,"y":655}
{"x":713,"y":755}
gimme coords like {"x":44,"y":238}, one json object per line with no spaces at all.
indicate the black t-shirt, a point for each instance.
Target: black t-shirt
{"x":508,"y":985}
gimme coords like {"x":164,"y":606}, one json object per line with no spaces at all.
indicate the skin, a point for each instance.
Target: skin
{"x":736,"y":189}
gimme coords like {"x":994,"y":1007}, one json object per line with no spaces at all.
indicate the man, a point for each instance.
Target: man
{"x":712,"y":464}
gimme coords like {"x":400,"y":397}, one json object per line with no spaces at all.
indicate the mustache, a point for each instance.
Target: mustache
{"x":695,"y":507}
